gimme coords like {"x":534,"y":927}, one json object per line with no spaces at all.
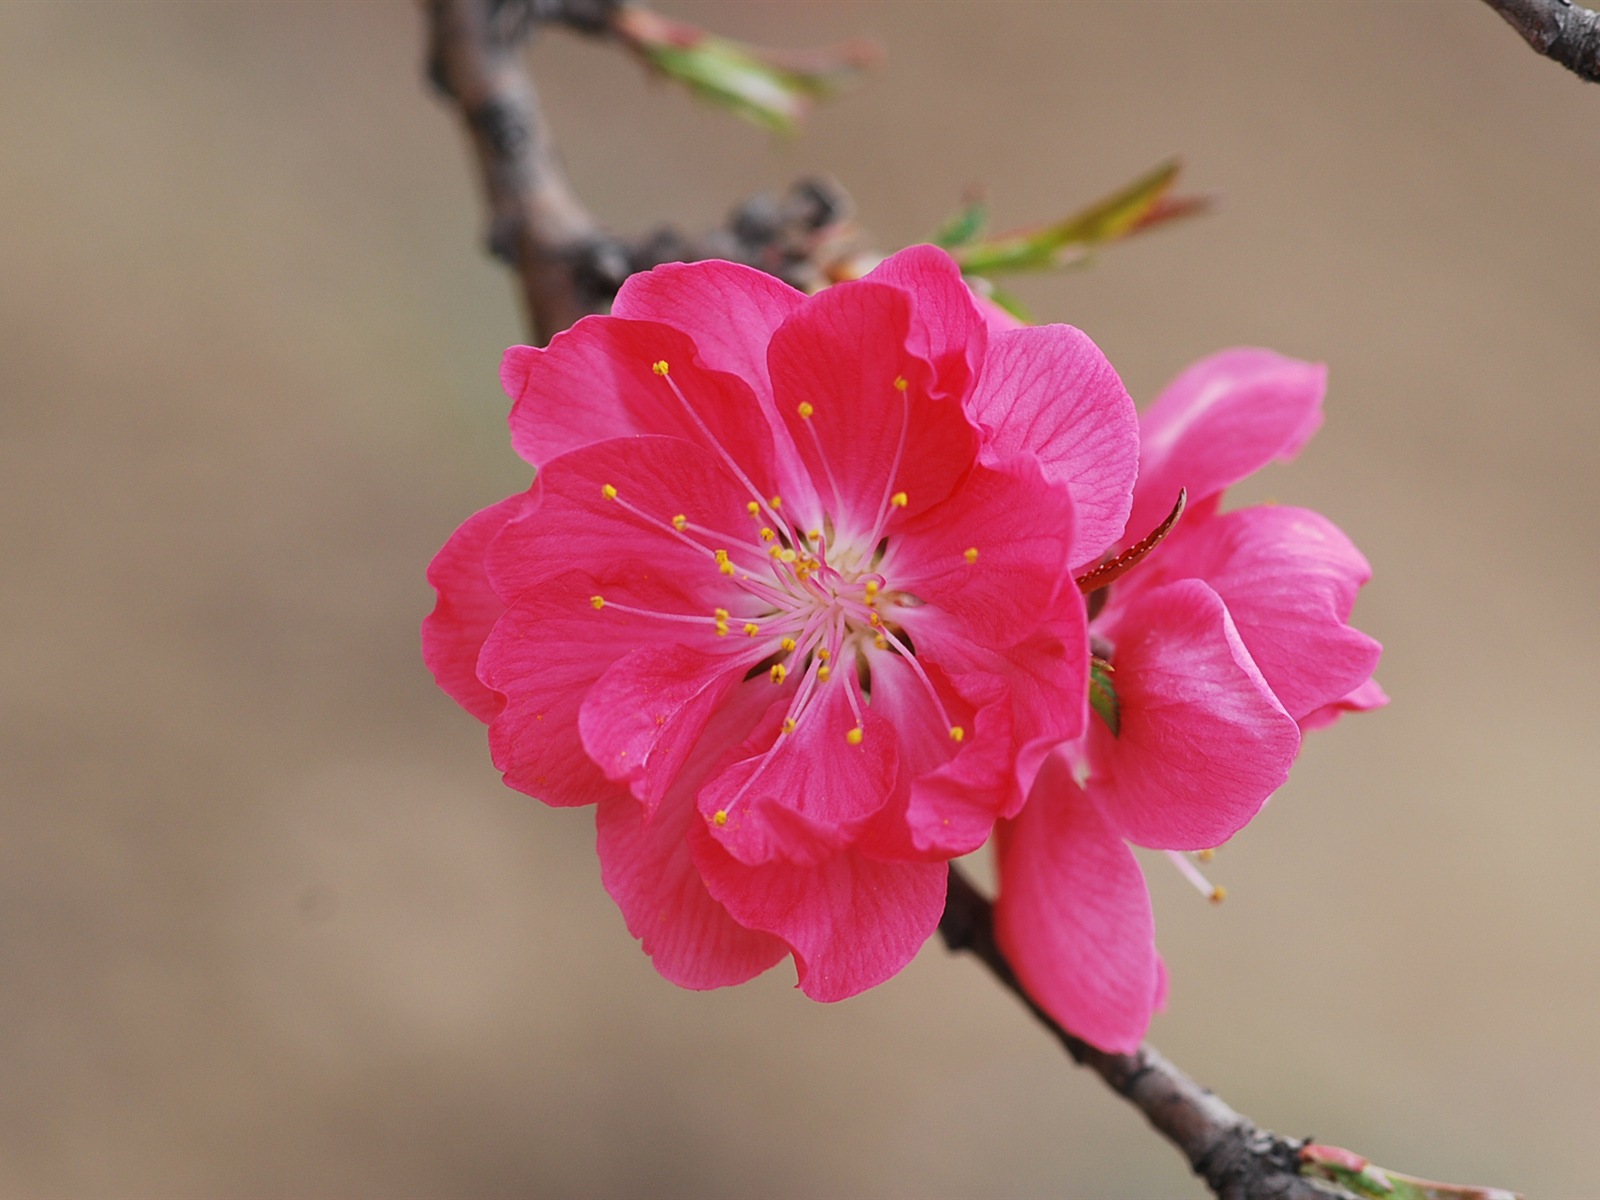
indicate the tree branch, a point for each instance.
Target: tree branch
{"x":1557,"y":29}
{"x":1237,"y":1158}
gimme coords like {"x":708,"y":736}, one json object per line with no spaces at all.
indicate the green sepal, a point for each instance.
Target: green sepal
{"x":1103,"y":694}
{"x":966,"y":223}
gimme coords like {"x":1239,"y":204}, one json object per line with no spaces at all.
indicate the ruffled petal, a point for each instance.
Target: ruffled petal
{"x":835,"y":366}
{"x":953,"y":792}
{"x":643,"y":718}
{"x":1289,"y":577}
{"x":1049,"y":392}
{"x":467,"y":608}
{"x":599,"y":380}
{"x":802,"y":796}
{"x":1203,"y":740}
{"x":947,"y":328}
{"x":543,"y":656}
{"x":1222,"y":419}
{"x":646,"y":865}
{"x":990,"y":562}
{"x":655,"y":479}
{"x":729,"y":310}
{"x":1073,"y":915}
{"x":851,"y":922}
{"x":1363,"y":699}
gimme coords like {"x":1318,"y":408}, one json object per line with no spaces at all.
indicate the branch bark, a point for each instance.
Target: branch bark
{"x":1557,"y":29}
{"x":1237,"y":1158}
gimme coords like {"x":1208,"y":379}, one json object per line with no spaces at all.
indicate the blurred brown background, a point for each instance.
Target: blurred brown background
{"x":271,"y":925}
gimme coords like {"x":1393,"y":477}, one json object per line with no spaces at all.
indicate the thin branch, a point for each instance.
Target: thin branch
{"x":1557,"y":29}
{"x":1237,"y":1158}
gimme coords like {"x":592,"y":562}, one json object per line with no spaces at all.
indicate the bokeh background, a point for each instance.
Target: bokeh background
{"x":272,"y":926}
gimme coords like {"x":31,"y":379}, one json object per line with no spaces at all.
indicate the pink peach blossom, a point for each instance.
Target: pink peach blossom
{"x":1224,"y":644}
{"x":790,"y":600}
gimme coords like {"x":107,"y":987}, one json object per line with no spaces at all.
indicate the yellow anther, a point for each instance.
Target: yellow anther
{"x":814,"y":534}
{"x":725,"y":567}
{"x":751,"y":629}
{"x":720,"y":614}
{"x":597,"y":601}
{"x":823,"y":655}
{"x":970,"y":554}
{"x":788,"y":724}
{"x":778,"y":672}
{"x":1219,"y":894}
{"x":787,"y":555}
{"x":660,"y":368}
{"x":680,"y":522}
{"x":823,"y":672}
{"x":874,"y":620}
{"x":766,"y":534}
{"x":854,"y":736}
{"x":720,"y":817}
{"x":872,"y":590}
{"x":898,"y":500}
{"x":722,"y":629}
{"x":900,"y":384}
{"x":774,"y":551}
{"x":788,"y":645}
{"x":776,"y":502}
{"x":752,"y":508}
{"x":609,"y":492}
{"x":805,"y":410}
{"x":881,"y":642}
{"x":1205,"y":855}
{"x":957,"y":733}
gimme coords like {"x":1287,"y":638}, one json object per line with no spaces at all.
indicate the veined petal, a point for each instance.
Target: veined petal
{"x":947,"y":328}
{"x":467,"y":608}
{"x":655,"y":479}
{"x":602,"y":379}
{"x":1073,"y":915}
{"x":990,"y":562}
{"x":951,"y":791}
{"x":803,"y":795}
{"x":543,"y":656}
{"x":729,"y":310}
{"x":643,"y":718}
{"x":1049,"y":392}
{"x":1362,"y":699}
{"x":647,"y":868}
{"x":1289,"y":577}
{"x":1203,"y":740}
{"x":835,"y":365}
{"x":1223,"y":418}
{"x":851,"y":922}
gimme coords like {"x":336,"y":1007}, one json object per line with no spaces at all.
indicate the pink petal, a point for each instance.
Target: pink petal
{"x":947,"y":328}
{"x":655,"y":478}
{"x":865,"y":438}
{"x":1363,"y":699}
{"x":1204,"y":741}
{"x":802,"y":796}
{"x":1289,"y":578}
{"x":1049,"y":392}
{"x":643,"y":718}
{"x":645,"y":864}
{"x":1222,"y":419}
{"x":453,"y":633}
{"x":597,"y":381}
{"x":1021,"y":527}
{"x":1073,"y":916}
{"x":544,"y":654}
{"x":957,"y":790}
{"x":731,"y":312}
{"x":851,"y":922}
